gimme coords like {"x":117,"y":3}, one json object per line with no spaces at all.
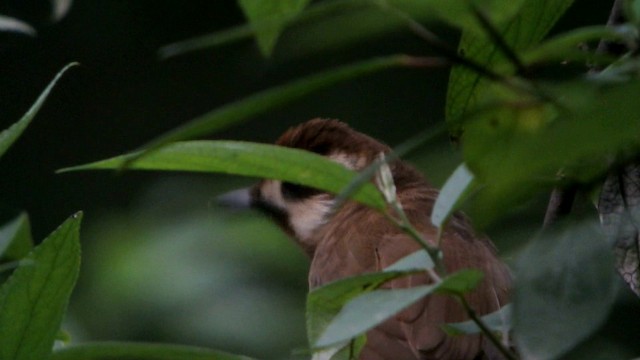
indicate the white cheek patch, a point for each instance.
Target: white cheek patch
{"x":271,"y":193}
{"x":307,"y":216}
{"x":352,"y":161}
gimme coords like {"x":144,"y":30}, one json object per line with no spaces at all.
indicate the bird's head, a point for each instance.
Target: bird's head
{"x":301,"y":210}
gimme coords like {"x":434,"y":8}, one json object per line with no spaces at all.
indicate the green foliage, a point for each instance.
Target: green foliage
{"x":569,"y":289}
{"x":10,"y":135}
{"x":273,"y":16}
{"x":271,"y":99}
{"x":140,"y":351}
{"x":34,"y":299}
{"x":15,"y":239}
{"x":532,"y":22}
{"x":518,"y":134}
{"x":247,"y":159}
{"x":371,"y":308}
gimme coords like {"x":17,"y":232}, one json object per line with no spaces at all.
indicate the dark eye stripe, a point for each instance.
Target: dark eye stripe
{"x":295,"y":192}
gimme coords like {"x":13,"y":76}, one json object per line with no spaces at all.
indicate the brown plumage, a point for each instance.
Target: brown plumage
{"x":356,"y":240}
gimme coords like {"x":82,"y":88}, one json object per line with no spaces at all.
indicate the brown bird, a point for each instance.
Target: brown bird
{"x":356,"y":239}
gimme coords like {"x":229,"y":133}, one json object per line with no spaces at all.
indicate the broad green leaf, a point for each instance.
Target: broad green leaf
{"x":533,"y":21}
{"x":498,"y":321}
{"x":34,"y":299}
{"x":15,"y":239}
{"x":518,"y":147}
{"x":247,"y":159}
{"x":11,"y":24}
{"x":372,"y":308}
{"x":273,"y":98}
{"x":453,"y":192}
{"x":140,"y":351}
{"x":259,"y":11}
{"x":325,"y":302}
{"x":419,"y":260}
{"x":619,"y":209}
{"x":564,"y":290}
{"x":10,"y":135}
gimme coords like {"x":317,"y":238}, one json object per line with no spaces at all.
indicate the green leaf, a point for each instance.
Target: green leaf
{"x":325,"y":302}
{"x":140,"y":351}
{"x":518,"y":147}
{"x":453,"y":192}
{"x":10,"y":135}
{"x":272,"y":98}
{"x":564,"y":290}
{"x":566,"y":46}
{"x":275,"y":14}
{"x":34,"y":299}
{"x":372,"y":308}
{"x":533,"y":21}
{"x":12,"y":24}
{"x":498,"y":321}
{"x":419,"y":260}
{"x":248,"y":159}
{"x":15,"y":239}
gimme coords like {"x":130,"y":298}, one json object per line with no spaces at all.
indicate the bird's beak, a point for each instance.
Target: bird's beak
{"x":235,"y":199}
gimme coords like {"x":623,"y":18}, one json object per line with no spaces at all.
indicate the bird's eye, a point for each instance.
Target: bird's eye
{"x":295,"y":192}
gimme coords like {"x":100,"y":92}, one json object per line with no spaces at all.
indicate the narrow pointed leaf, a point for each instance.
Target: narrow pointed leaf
{"x":140,"y":351}
{"x":259,"y":11}
{"x":419,"y":260}
{"x":10,"y":135}
{"x":270,"y":99}
{"x":454,"y":191}
{"x":325,"y":302}
{"x":372,"y":308}
{"x":498,"y":321}
{"x":12,"y":24}
{"x":34,"y":299}
{"x":248,"y":159}
{"x":15,"y":239}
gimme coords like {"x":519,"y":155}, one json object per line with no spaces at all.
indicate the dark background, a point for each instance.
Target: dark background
{"x":161,"y":262}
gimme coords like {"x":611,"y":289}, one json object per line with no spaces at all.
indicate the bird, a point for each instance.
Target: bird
{"x":355,"y":239}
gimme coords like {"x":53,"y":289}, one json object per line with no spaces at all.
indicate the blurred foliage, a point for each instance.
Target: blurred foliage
{"x":163,"y":264}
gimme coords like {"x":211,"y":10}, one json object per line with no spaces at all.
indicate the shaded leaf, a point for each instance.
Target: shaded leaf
{"x":517,"y":147}
{"x":325,"y":302}
{"x":566,"y":46}
{"x":273,"y":15}
{"x":369,"y":309}
{"x":419,"y":260}
{"x":140,"y":351}
{"x":247,"y":159}
{"x":498,"y":321}
{"x":453,"y":192}
{"x":564,"y":290}
{"x":11,"y":24}
{"x":15,"y":239}
{"x":10,"y":135}
{"x":272,"y":98}
{"x":619,"y":208}
{"x":34,"y":299}
{"x":533,"y":21}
